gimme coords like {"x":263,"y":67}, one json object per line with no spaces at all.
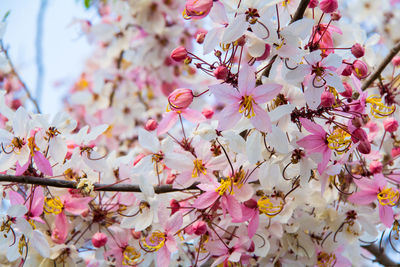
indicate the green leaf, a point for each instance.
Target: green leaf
{"x":6,"y":15}
{"x":88,"y":3}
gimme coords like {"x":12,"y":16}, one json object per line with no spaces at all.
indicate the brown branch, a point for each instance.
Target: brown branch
{"x":97,"y":187}
{"x":298,"y":15}
{"x":393,"y":52}
{"x":380,"y":256}
{"x":14,"y":72}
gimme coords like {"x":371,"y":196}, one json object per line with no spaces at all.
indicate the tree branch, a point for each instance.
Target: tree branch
{"x":298,"y":15}
{"x":161,"y":189}
{"x":14,"y":72}
{"x":393,"y":52}
{"x":380,"y":256}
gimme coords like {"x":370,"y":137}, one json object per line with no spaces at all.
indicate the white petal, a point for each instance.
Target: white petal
{"x":235,"y":29}
{"x":149,"y":140}
{"x":40,"y":243}
{"x":278,"y":140}
{"x":253,"y":147}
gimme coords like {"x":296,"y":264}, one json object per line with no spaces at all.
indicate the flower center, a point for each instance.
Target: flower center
{"x":266,"y":206}
{"x":378,"y":109}
{"x":53,"y":205}
{"x":339,"y":140}
{"x":225,"y":185}
{"x":131,"y":256}
{"x":326,"y":260}
{"x":198,"y":168}
{"x":388,"y":196}
{"x":246,"y":106}
{"x":32,"y":146}
{"x":17,"y":142}
{"x":252,"y":15}
{"x":155,"y":241}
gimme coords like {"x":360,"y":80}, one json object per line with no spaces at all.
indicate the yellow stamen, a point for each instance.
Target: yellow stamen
{"x":285,"y":3}
{"x":32,"y":146}
{"x":53,"y":205}
{"x":326,"y":260}
{"x":335,"y":93}
{"x":156,"y":241}
{"x":270,"y":209}
{"x":198,"y":168}
{"x":388,"y":196}
{"x":225,"y":185}
{"x":22,"y":244}
{"x":131,"y":256}
{"x":246,"y":106}
{"x":378,"y":109}
{"x":339,"y":140}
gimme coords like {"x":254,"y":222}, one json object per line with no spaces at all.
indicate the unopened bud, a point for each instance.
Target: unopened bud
{"x":390,"y":125}
{"x":336,"y":16}
{"x":357,"y":50}
{"x":99,"y":240}
{"x":200,"y":37}
{"x":348,"y":70}
{"x":360,"y":69}
{"x":348,"y":90}
{"x":198,"y":8}
{"x":179,"y":54}
{"x":151,"y":125}
{"x":136,"y":234}
{"x":328,"y":6}
{"x":396,"y":61}
{"x":313,"y":4}
{"x":327,"y":99}
{"x":199,"y":227}
{"x":221,"y":72}
{"x":359,"y":135}
{"x":364,"y":147}
{"x":180,"y":98}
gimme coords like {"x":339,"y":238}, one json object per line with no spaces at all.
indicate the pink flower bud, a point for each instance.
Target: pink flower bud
{"x":16,"y":103}
{"x":348,"y":90}
{"x":136,"y":234}
{"x":357,"y":50}
{"x":221,"y":72}
{"x":251,"y":204}
{"x":364,"y":147}
{"x":327,"y":99}
{"x":375,"y":166}
{"x":151,"y":125}
{"x":199,"y":227}
{"x":170,"y":178}
{"x":175,"y":206}
{"x":266,"y":53}
{"x":396,"y":61}
{"x":200,"y":35}
{"x":99,"y":240}
{"x":179,"y":54}
{"x":313,"y":4}
{"x":395,"y":152}
{"x":180,"y":98}
{"x":208,"y":113}
{"x":348,"y":70}
{"x":359,"y":135}
{"x":390,"y":125}
{"x":328,"y":6}
{"x":198,"y":8}
{"x":360,"y":69}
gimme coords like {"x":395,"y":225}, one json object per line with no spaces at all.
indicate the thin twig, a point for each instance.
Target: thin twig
{"x":298,"y":15}
{"x":380,"y":256}
{"x":393,"y":52}
{"x":97,"y":187}
{"x":15,"y":73}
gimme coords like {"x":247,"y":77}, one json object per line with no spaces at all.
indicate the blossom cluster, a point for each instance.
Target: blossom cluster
{"x":223,"y":133}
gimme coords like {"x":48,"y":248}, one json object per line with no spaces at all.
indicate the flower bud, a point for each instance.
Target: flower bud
{"x":179,"y":54}
{"x":328,"y":6}
{"x":251,"y":204}
{"x":360,"y":69}
{"x":359,"y":135}
{"x":348,"y":90}
{"x":99,"y":240}
{"x":200,"y":36}
{"x":175,"y":206}
{"x":357,"y":50}
{"x":336,"y":16}
{"x":313,"y":4}
{"x":136,"y":234}
{"x":396,"y":61}
{"x":395,"y":152}
{"x":199,"y":227}
{"x":151,"y":125}
{"x":375,"y":166}
{"x":208,"y":113}
{"x":364,"y":147}
{"x":348,"y":70}
{"x":390,"y":125}
{"x":357,"y":122}
{"x":221,"y":72}
{"x":327,"y":99}
{"x":180,"y":98}
{"x":198,"y":8}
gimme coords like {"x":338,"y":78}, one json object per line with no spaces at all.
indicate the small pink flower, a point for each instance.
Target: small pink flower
{"x":179,"y":54}
{"x":360,"y":69}
{"x":328,"y":6}
{"x":180,"y":98}
{"x":198,"y":8}
{"x":390,"y":125}
{"x":99,"y":240}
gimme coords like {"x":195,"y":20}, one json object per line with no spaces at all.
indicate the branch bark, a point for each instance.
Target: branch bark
{"x":393,"y":52}
{"x":161,"y":189}
{"x":298,"y":15}
{"x":380,"y":256}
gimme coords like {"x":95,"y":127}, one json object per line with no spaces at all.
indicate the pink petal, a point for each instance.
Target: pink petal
{"x":61,"y":224}
{"x":261,"y":120}
{"x":266,"y":92}
{"x":253,"y":224}
{"x":184,"y":180}
{"x":20,"y":170}
{"x":313,"y":143}
{"x":205,"y":200}
{"x":163,"y":257}
{"x":228,"y":117}
{"x":246,"y":80}
{"x":380,"y":180}
{"x":386,"y":215}
{"x":362,"y":197}
{"x":233,"y":206}
{"x":225,"y":93}
{"x":167,"y":122}
{"x":37,"y":202}
{"x":367,"y":184}
{"x":77,"y":206}
{"x":15,"y":198}
{"x":174,"y":223}
{"x":193,"y":115}
{"x":313,"y":127}
{"x":42,"y":163}
{"x":326,"y":156}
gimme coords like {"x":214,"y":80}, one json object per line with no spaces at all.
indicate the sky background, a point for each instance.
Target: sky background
{"x":65,"y":48}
